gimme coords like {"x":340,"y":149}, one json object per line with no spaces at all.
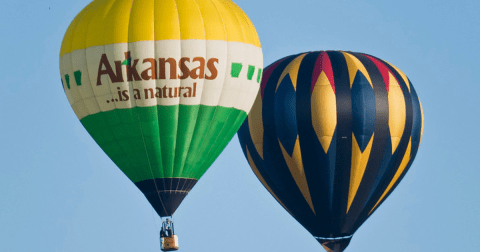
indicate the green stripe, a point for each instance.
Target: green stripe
{"x":168,"y":122}
{"x":78,"y":77}
{"x":67,"y":80}
{"x":186,"y":125}
{"x":207,"y":140}
{"x":251,"y":71}
{"x":226,"y":136}
{"x":236,"y":69}
{"x":179,"y":141}
{"x":259,"y":75}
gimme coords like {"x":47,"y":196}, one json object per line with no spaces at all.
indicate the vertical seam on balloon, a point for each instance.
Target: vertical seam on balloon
{"x":91,"y":83}
{"x":254,"y":37}
{"x":179,"y":107}
{"x":71,"y":58}
{"x":308,"y":196}
{"x":132,"y":100}
{"x":179,"y":104}
{"x":101,"y":112}
{"x":180,"y":83}
{"x":104,"y":49}
{"x":222,"y":130}
{"x":203,"y":143}
{"x":113,"y":111}
{"x":157,"y":141}
{"x":396,"y":178}
{"x":141,"y":130}
{"x":136,"y":108}
{"x":206,"y":161}
{"x":70,"y":62}
{"x":257,"y":173}
{"x":244,"y":44}
{"x":216,"y":107}
{"x":98,"y":104}
{"x":253,"y":30}
{"x":199,"y":105}
{"x":406,"y":143}
{"x":404,"y":99}
{"x":214,"y":148}
{"x":343,"y":147}
{"x":238,"y":20}
{"x":374,"y":170}
{"x":72,"y":31}
{"x":191,"y":172}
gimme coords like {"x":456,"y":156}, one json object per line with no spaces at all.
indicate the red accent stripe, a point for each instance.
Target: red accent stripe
{"x":383,"y":70}
{"x":323,"y":64}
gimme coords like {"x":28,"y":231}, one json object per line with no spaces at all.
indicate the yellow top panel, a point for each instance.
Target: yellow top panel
{"x":105,"y":22}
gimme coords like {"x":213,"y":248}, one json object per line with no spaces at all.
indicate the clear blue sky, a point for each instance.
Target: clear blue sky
{"x":60,"y":192}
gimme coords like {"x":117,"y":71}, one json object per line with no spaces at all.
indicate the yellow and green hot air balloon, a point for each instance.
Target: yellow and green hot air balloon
{"x":162,"y":86}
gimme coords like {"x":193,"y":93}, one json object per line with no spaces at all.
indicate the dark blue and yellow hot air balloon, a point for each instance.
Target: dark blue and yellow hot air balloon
{"x":331,"y":134}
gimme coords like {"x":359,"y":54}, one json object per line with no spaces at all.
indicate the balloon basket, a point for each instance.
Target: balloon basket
{"x":169,"y":243}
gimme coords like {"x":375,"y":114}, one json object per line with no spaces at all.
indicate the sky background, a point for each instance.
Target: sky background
{"x":60,"y":192}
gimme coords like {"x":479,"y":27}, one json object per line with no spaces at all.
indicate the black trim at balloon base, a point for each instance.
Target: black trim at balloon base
{"x":166,"y":194}
{"x":334,"y":244}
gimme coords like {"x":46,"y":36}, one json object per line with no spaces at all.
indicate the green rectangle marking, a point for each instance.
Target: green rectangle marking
{"x":67,"y":79}
{"x":236,"y":69}
{"x":251,"y":71}
{"x":259,"y":75}
{"x":78,"y":77}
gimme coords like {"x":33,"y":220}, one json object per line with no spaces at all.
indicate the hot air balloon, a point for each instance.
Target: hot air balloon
{"x":162,"y":86}
{"x":330,"y":136}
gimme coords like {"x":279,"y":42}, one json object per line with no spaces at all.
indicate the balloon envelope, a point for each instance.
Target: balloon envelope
{"x":330,"y":135}
{"x":162,"y":86}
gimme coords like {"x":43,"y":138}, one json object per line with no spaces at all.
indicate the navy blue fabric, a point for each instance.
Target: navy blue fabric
{"x":314,"y":158}
{"x":417,"y":121}
{"x":363,"y":103}
{"x":362,"y":111}
{"x":344,"y":142}
{"x":285,"y":115}
{"x":399,"y":153}
{"x":358,"y":212}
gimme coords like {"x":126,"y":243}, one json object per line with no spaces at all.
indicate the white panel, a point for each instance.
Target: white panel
{"x":192,"y":49}
{"x":139,"y":51}
{"x":92,"y":105}
{"x":102,"y":88}
{"x":113,"y":90}
{"x":255,"y":54}
{"x":233,"y":87}
{"x":240,"y":92}
{"x":65,"y":66}
{"x":212,"y":89}
{"x":79,"y":63}
{"x":166,"y":49}
{"x":80,"y":109}
{"x":73,"y":93}
{"x":116,"y":53}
